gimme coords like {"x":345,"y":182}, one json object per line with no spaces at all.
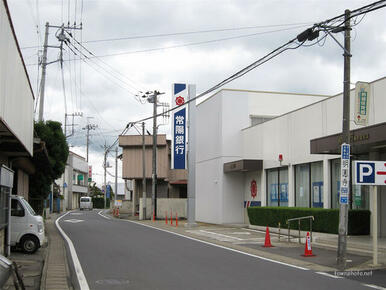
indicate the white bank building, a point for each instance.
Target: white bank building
{"x":278,"y":149}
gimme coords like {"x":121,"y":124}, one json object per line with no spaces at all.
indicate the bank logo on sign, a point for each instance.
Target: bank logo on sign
{"x":365,"y":172}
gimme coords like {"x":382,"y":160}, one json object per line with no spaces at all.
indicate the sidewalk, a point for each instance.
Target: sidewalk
{"x":46,"y":268}
{"x":56,"y":274}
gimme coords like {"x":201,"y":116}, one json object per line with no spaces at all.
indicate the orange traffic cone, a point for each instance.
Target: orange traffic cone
{"x":308,"y":248}
{"x":267,"y":243}
{"x":166,"y":217}
{"x":176,"y":220}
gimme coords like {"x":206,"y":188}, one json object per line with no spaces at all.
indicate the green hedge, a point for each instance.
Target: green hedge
{"x":99,"y":202}
{"x":326,"y":220}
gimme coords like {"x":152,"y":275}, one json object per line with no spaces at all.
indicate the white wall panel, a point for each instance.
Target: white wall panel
{"x":16,"y":97}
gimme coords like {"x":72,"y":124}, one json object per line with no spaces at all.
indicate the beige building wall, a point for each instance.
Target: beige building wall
{"x":132,"y":156}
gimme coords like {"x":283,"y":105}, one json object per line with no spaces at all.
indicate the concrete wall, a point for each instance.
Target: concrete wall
{"x":2,"y":241}
{"x":22,"y":184}
{"x":165,"y":205}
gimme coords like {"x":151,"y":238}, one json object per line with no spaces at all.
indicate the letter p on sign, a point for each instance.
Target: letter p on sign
{"x":365,"y":172}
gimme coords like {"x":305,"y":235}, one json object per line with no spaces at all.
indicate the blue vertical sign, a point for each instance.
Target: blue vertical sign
{"x":179,"y":134}
{"x":344,"y":174}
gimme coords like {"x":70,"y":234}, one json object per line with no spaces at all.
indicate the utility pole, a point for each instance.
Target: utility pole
{"x":44,"y":68}
{"x":143,"y":172}
{"x":61,"y":38}
{"x":152,"y":97}
{"x":343,"y":212}
{"x":104,"y":167}
{"x":88,"y":128}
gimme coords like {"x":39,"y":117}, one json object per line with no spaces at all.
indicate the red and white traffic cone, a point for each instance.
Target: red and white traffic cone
{"x":267,"y":243}
{"x":308,"y":248}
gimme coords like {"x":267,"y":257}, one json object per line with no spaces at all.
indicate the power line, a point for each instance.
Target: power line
{"x":193,"y":32}
{"x":188,"y":32}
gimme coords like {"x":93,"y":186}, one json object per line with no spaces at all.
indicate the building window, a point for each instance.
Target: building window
{"x":309,"y":184}
{"x":277,"y":186}
{"x":302,"y":181}
{"x":335,"y":183}
{"x":317,"y":184}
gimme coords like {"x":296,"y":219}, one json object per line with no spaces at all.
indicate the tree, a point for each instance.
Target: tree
{"x":50,"y":132}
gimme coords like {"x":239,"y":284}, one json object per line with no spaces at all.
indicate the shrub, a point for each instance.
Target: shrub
{"x":325,"y":220}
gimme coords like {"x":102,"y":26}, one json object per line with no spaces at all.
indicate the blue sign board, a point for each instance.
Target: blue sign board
{"x":179,"y":139}
{"x":108,"y":190}
{"x":344,"y":173}
{"x":179,"y":126}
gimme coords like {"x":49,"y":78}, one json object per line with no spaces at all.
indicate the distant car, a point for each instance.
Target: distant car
{"x":85,"y":203}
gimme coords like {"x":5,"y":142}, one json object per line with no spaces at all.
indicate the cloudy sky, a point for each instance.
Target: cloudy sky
{"x":129,"y":46}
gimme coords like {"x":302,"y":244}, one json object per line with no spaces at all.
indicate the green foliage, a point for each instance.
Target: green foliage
{"x":98,"y":202}
{"x":326,"y":220}
{"x":51,"y":134}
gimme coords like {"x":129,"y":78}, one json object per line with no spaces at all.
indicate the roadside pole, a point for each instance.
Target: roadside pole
{"x":343,"y":211}
{"x":143,"y":172}
{"x":374,"y":222}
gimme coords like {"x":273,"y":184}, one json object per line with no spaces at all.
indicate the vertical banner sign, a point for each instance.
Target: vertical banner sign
{"x":179,"y":126}
{"x":89,"y":173}
{"x":344,"y":174}
{"x":362,"y":98}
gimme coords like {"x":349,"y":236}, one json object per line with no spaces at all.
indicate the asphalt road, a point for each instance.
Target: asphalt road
{"x":118,"y":254}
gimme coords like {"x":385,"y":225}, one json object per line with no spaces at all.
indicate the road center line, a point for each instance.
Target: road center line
{"x":78,"y":268}
{"x":329,"y":275}
{"x":219,"y":246}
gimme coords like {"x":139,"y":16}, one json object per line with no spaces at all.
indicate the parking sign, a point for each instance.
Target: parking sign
{"x":370,"y":172}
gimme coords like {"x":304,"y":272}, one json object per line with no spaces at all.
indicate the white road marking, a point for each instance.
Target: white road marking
{"x":219,"y":246}
{"x":74,"y":221}
{"x":76,"y":213}
{"x":221,"y":235}
{"x":78,"y":268}
{"x":329,"y":275}
{"x":100,"y":213}
{"x":374,"y":286}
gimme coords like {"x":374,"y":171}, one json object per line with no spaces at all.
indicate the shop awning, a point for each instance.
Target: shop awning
{"x":362,"y":140}
{"x":243,"y":165}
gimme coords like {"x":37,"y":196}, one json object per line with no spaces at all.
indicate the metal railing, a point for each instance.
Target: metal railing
{"x":311,"y":218}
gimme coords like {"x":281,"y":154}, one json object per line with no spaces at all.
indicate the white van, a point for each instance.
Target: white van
{"x":85,"y":202}
{"x":27,"y":228}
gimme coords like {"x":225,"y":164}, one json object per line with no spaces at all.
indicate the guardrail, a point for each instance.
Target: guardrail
{"x":311,"y":218}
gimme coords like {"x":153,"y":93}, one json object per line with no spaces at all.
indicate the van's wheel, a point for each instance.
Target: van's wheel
{"x":29,"y":244}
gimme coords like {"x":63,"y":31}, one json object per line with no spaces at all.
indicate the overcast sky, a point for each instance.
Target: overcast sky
{"x":104,"y":88}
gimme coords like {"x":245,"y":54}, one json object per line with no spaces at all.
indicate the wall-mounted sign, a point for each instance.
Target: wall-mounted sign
{"x":253,"y":188}
{"x":362,"y":99}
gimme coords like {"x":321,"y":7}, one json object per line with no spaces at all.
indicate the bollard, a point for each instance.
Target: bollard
{"x":176,"y":220}
{"x":171,"y":217}
{"x":166,"y":217}
{"x":279,"y":231}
